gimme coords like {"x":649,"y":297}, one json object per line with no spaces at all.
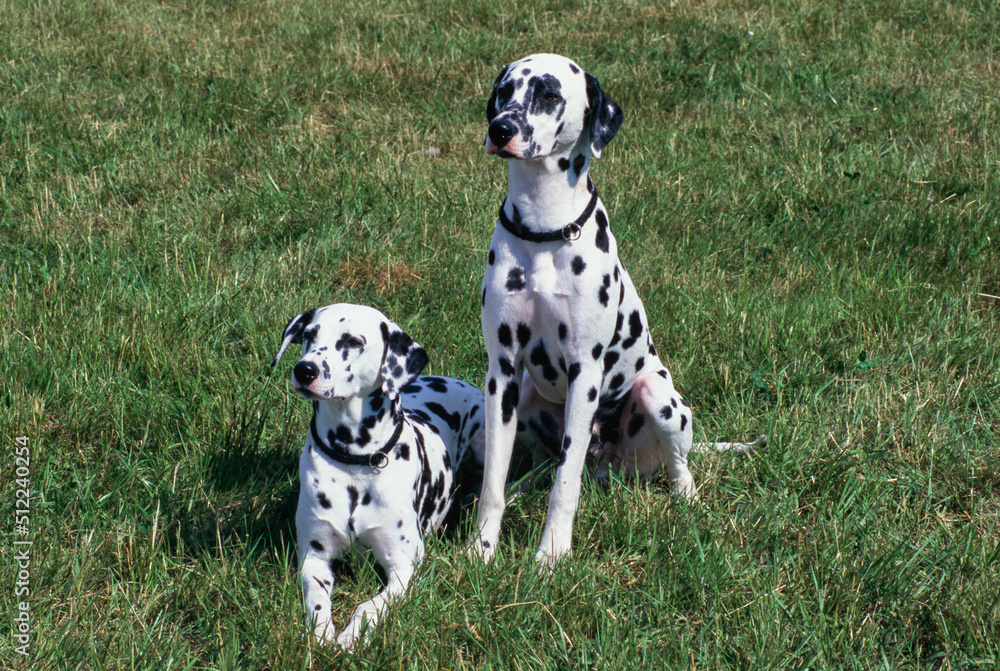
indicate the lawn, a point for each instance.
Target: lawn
{"x":805,"y":193}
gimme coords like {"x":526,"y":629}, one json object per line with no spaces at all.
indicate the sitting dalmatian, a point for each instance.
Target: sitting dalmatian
{"x":384,"y":449}
{"x":572,"y":367}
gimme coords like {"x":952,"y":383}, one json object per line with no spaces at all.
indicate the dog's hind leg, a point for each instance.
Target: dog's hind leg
{"x":655,"y":433}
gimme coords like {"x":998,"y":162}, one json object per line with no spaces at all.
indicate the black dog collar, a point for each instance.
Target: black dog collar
{"x":339,"y":452}
{"x":567,"y":233}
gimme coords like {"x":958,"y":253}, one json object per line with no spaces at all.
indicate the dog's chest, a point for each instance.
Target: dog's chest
{"x":358,"y":500}
{"x":569,"y":307}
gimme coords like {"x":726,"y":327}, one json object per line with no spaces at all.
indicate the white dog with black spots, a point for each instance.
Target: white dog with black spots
{"x":380,"y":462}
{"x":572,"y":367}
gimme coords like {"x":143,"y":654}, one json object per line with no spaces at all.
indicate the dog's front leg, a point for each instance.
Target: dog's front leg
{"x":316,"y":559}
{"x":581,"y":404}
{"x":399,"y":569}
{"x":503,"y":391}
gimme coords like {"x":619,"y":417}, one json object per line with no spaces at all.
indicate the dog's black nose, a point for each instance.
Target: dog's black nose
{"x":501,"y":131}
{"x":305,"y":372}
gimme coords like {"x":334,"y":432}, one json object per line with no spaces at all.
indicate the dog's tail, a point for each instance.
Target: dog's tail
{"x":738,"y":448}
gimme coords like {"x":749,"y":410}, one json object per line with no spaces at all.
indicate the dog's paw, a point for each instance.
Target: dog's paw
{"x":482,"y":549}
{"x":324,"y":633}
{"x":357,"y":633}
{"x":548,"y":559}
{"x":684,"y":486}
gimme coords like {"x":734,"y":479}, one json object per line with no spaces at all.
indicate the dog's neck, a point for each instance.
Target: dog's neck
{"x":360,"y":424}
{"x":546,"y":196}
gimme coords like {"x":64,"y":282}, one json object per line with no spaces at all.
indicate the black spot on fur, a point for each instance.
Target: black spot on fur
{"x":639,"y":363}
{"x":634,"y":329}
{"x":635,"y":425}
{"x":598,"y":348}
{"x":491,"y":259}
{"x":503,"y":335}
{"x":323,"y":501}
{"x":610,"y":359}
{"x":601,"y":240}
{"x":562,"y":331}
{"x":578,"y":163}
{"x":578,"y":265}
{"x":673,"y":402}
{"x":540,"y":357}
{"x":509,"y":400}
{"x":316,"y":545}
{"x":573,"y":372}
{"x":366,"y":499}
{"x":436,"y":384}
{"x":575,"y":69}
{"x":685,"y":403}
{"x":523,"y":335}
{"x":491,"y":386}
{"x":602,"y":293}
{"x":454,"y":419}
{"x":617,"y":381}
{"x":666,"y":412}
{"x":506,"y":367}
{"x":564,"y":164}
{"x":565,"y":448}
{"x":352,"y":498}
{"x":684,"y":421}
{"x":591,"y":394}
{"x":515,"y":279}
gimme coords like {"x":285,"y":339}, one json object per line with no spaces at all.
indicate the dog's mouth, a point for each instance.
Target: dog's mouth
{"x":307,"y":393}
{"x":493,"y":150}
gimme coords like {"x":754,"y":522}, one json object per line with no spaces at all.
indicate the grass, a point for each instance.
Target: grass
{"x":805,"y":194}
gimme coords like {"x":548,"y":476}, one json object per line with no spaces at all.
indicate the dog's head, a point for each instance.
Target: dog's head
{"x":348,"y":351}
{"x":544,"y":105}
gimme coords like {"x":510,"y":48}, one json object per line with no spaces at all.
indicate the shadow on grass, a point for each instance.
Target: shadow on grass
{"x":249,"y":489}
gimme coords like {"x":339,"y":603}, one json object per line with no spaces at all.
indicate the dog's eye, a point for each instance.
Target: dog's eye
{"x":551,"y":96}
{"x":346,"y":342}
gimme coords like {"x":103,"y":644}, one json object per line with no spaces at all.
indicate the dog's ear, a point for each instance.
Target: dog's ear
{"x":402,"y":361}
{"x":491,"y":104}
{"x":293,"y":332}
{"x":605,"y":116}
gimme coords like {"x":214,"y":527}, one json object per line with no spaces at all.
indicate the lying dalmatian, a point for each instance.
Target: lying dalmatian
{"x":384,"y":449}
{"x":572,"y":368}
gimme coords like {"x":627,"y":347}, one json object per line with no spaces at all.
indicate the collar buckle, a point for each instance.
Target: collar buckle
{"x":571,"y":232}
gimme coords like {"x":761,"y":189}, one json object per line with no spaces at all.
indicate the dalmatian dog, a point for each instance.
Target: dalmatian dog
{"x":380,"y":462}
{"x":572,"y":369}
